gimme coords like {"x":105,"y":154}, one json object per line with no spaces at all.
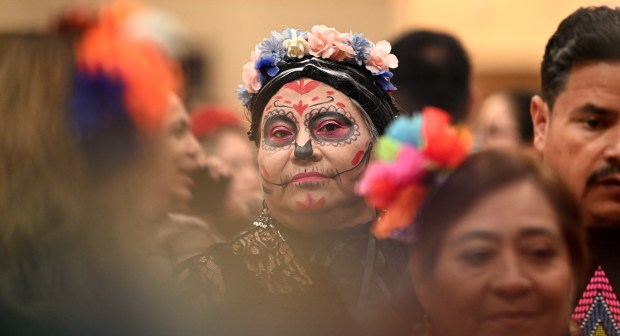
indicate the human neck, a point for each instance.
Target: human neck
{"x":336,"y":217}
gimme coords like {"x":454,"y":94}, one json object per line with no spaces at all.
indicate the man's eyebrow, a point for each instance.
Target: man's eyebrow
{"x":598,"y":110}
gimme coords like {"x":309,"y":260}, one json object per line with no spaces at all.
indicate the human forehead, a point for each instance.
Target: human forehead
{"x":305,"y":95}
{"x":175,"y":112}
{"x":512,"y":210}
{"x":591,"y":83}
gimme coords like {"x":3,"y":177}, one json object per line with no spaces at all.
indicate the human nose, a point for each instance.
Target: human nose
{"x":511,"y":279}
{"x":612,"y":150}
{"x":304,"y":149}
{"x":193,"y":147}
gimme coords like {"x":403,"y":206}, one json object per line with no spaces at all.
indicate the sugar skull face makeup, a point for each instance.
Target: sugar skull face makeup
{"x":314,"y":145}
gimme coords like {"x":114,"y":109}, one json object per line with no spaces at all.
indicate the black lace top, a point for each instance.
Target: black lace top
{"x":271,"y":280}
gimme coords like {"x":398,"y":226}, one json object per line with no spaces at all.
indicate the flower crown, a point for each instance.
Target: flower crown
{"x":321,"y":42}
{"x":414,"y":154}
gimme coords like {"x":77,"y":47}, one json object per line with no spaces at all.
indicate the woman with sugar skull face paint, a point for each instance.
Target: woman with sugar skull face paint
{"x":309,"y":265}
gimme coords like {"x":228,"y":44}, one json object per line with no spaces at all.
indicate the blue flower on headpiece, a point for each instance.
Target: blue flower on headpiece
{"x":362,"y":48}
{"x":272,"y":46}
{"x":268,"y":64}
{"x":383,"y":79}
{"x":244,"y":95}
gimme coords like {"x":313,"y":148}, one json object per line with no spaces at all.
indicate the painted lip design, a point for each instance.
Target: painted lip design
{"x":307,"y":177}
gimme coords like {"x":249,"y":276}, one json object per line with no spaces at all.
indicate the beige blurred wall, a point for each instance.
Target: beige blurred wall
{"x":502,"y":36}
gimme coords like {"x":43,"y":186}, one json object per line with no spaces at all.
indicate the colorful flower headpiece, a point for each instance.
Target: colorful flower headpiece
{"x":123,"y":76}
{"x":414,"y":154}
{"x":321,"y":42}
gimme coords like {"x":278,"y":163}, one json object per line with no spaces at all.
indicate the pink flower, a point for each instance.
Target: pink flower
{"x":342,"y":51}
{"x":327,"y":42}
{"x":250,"y":77}
{"x":254,"y":55}
{"x":380,"y":58}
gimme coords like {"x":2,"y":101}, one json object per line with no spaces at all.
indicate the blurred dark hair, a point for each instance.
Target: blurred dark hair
{"x":433,"y":70}
{"x":589,"y":34}
{"x":358,"y":83}
{"x":476,"y":178}
{"x":520,"y":102}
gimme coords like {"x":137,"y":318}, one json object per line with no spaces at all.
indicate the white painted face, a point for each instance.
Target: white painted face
{"x":314,"y":144}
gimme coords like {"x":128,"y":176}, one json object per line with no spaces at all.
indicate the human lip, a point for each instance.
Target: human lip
{"x":610,"y":181}
{"x":186,"y":178}
{"x":307,"y":177}
{"x":512,"y":316}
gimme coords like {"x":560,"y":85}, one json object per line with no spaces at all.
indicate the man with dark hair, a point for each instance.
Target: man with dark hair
{"x":434,"y":70}
{"x":577,"y":129}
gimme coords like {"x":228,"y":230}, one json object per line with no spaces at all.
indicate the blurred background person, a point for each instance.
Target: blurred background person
{"x":86,"y":170}
{"x":222,"y":135}
{"x":179,"y":234}
{"x":503,"y":121}
{"x":433,"y":70}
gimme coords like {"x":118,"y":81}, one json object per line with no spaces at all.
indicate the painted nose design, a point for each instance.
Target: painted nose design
{"x":303,"y":152}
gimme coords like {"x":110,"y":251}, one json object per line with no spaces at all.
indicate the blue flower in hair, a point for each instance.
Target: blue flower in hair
{"x":268,"y":64}
{"x":362,"y":48}
{"x":272,"y":46}
{"x":383,"y":79}
{"x":244,"y":95}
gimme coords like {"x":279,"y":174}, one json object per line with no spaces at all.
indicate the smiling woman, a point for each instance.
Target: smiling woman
{"x":309,"y":265}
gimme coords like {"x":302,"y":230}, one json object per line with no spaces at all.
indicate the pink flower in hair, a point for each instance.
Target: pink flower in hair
{"x":327,"y":42}
{"x":342,"y":51}
{"x":380,"y":58}
{"x":254,"y":55}
{"x":250,"y":77}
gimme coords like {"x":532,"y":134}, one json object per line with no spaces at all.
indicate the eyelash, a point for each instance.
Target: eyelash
{"x":327,"y":123}
{"x":273,"y":133}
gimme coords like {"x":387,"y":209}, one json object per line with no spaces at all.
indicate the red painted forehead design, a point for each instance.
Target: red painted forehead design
{"x":303,"y":94}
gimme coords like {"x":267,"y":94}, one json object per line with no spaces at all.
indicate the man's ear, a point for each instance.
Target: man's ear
{"x":541,"y":118}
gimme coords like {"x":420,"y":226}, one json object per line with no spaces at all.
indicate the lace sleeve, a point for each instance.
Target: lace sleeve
{"x":200,"y":280}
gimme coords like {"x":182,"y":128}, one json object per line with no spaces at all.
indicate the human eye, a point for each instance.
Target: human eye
{"x":279,"y":130}
{"x":594,"y":123}
{"x":595,"y":119}
{"x":476,"y":256}
{"x":540,"y":252}
{"x":179,"y":129}
{"x":332,"y":127}
{"x":280,"y":134}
